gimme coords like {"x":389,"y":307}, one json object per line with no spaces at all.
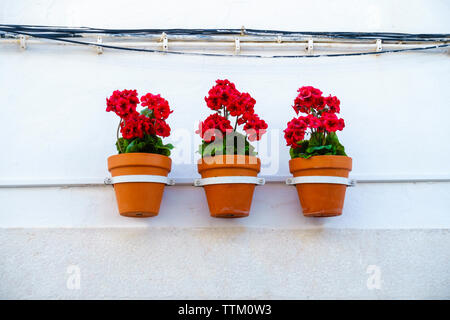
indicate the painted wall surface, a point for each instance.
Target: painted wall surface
{"x":55,"y":126}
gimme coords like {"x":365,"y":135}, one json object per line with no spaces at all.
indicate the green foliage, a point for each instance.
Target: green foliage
{"x":147,"y":112}
{"x":318,"y":144}
{"x":148,"y":144}
{"x":233,"y":144}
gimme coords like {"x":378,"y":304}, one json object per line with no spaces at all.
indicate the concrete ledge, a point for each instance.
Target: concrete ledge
{"x":239,"y":262}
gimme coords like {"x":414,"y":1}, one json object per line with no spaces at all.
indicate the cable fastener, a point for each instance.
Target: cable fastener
{"x":23,"y":42}
{"x":99,"y":48}
{"x":310,"y":46}
{"x":165,"y":42}
{"x":379,"y":45}
{"x":237,"y":46}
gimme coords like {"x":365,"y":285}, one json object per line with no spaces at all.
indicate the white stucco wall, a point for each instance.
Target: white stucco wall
{"x":55,"y":127}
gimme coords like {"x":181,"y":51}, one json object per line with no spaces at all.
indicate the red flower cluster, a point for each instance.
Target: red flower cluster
{"x":225,"y":97}
{"x":310,"y":99}
{"x":321,"y":115}
{"x":159,"y":105}
{"x":214,"y":126}
{"x":295,"y":131}
{"x":331,"y":123}
{"x":221,"y":95}
{"x":136,"y":125}
{"x":242,"y":104}
{"x":333,"y":103}
{"x":123,"y":103}
{"x":254,"y":127}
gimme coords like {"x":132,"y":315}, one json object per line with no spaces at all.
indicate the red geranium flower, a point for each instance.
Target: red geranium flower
{"x":159,"y":106}
{"x":255,"y":127}
{"x":313,"y":121}
{"x":295,"y":131}
{"x":221,"y":95}
{"x":224,"y":98}
{"x":213,"y":126}
{"x":320,"y":116}
{"x":123,"y":103}
{"x":331,"y":123}
{"x":333,"y":103}
{"x":162,"y":129}
{"x":308,"y":97}
{"x":242,"y":103}
{"x":136,"y":125}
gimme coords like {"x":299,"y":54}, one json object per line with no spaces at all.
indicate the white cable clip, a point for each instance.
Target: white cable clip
{"x":237,"y":46}
{"x":279,"y":39}
{"x":140,"y":178}
{"x":22,"y":42}
{"x":379,"y":45}
{"x":321,"y":179}
{"x":165,"y":42}
{"x":310,"y":47}
{"x":99,"y":49}
{"x":229,"y":179}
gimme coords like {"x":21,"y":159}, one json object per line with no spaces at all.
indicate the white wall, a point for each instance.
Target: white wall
{"x":55,"y":127}
{"x":384,"y":101}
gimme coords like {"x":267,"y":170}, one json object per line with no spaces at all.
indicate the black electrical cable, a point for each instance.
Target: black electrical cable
{"x":19,"y":30}
{"x":61,"y":32}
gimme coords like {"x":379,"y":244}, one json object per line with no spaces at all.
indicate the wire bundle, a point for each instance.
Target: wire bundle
{"x":70,"y":35}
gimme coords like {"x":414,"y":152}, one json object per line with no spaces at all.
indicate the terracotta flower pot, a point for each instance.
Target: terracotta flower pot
{"x":321,"y":199}
{"x":229,"y":200}
{"x":139,"y":199}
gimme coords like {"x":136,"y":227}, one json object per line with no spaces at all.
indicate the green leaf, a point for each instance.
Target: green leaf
{"x":294,"y":153}
{"x":316,"y":139}
{"x":147,"y":144}
{"x":340,"y":151}
{"x":229,"y":145}
{"x":210,"y":148}
{"x":121,"y":145}
{"x":147,"y":112}
{"x":300,"y":151}
{"x":131,"y":146}
{"x":318,"y":149}
{"x":332,"y":139}
{"x":318,"y":144}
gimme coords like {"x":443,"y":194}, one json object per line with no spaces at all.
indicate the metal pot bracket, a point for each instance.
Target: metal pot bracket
{"x":321,"y":179}
{"x":140,"y":178}
{"x":229,"y":179}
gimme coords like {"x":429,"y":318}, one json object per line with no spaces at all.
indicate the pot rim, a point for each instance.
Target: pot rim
{"x":139,"y":159}
{"x":320,"y":162}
